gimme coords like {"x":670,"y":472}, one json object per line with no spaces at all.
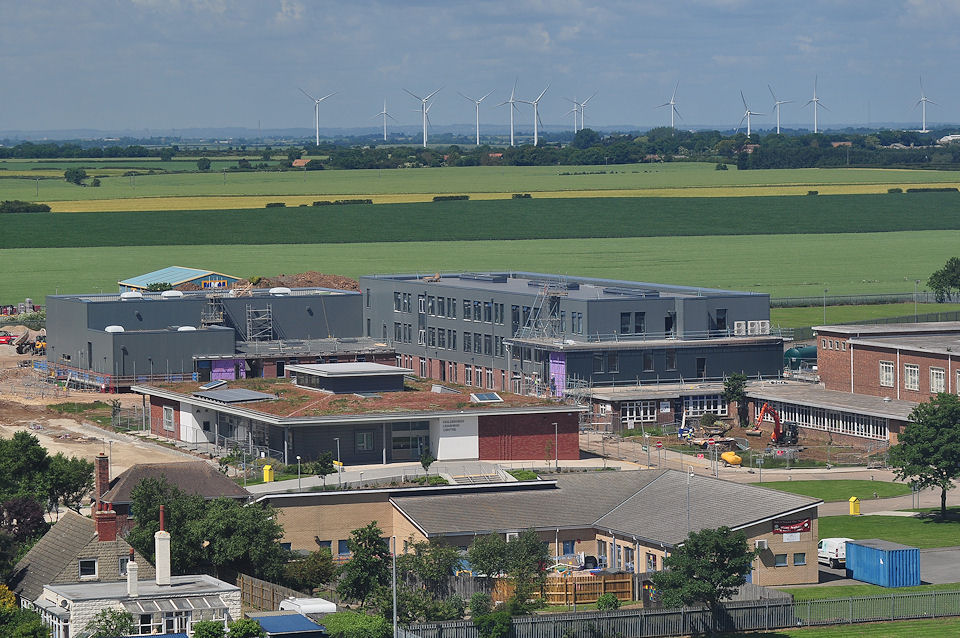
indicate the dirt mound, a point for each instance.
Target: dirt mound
{"x":309,"y":279}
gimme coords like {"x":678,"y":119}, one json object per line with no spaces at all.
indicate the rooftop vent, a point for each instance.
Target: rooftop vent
{"x":113,"y":329}
{"x":496,"y":278}
{"x":280,"y":291}
{"x":131,"y":294}
{"x":186,"y":329}
{"x":211,"y":385}
{"x":171,"y":294}
{"x":442,"y":389}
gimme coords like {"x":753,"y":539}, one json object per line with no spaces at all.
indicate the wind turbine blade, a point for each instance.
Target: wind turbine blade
{"x":589,"y":98}
{"x":414,"y":96}
{"x":539,"y":121}
{"x":432,"y":94}
{"x":675,"y":110}
{"x":541,"y":94}
{"x":742,"y":119}
{"x":573,"y":110}
{"x":392,"y":118}
{"x":513,"y":91}
{"x":504,"y":102}
{"x":774,"y":95}
{"x":307,"y":94}
{"x":919,"y":102}
{"x":326,"y":96}
{"x":485,"y":96}
{"x":821,"y":105}
{"x":673,"y":97}
{"x":929,"y":101}
{"x":465,"y":97}
{"x":662,"y":105}
{"x":744,"y":100}
{"x":807,"y":103}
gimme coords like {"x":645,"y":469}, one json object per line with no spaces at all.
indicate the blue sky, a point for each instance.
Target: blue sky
{"x":160,"y":64}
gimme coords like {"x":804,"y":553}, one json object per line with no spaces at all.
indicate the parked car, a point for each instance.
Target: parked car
{"x":6,"y":338}
{"x":832,"y":551}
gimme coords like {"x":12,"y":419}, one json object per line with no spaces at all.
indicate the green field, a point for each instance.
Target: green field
{"x":481,"y":220}
{"x":784,"y":265}
{"x":813,"y":315}
{"x":940,"y":627}
{"x":495,"y":179}
{"x":915,"y":532}
{"x":826,"y":592}
{"x":831,"y":491}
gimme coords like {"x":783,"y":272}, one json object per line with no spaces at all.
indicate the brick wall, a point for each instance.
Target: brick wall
{"x":766,"y":573}
{"x":156,"y":417}
{"x":833,"y":361}
{"x":866,"y":370}
{"x":528,"y":437}
{"x":101,"y":475}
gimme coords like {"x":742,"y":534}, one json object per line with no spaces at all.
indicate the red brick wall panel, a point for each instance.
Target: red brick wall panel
{"x":529,"y":437}
{"x":156,"y":417}
{"x":833,"y":362}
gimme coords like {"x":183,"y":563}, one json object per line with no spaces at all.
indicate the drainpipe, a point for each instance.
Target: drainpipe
{"x":850,"y":345}
{"x":898,"y":373}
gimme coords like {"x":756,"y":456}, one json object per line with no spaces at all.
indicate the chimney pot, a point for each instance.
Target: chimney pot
{"x":106,"y":524}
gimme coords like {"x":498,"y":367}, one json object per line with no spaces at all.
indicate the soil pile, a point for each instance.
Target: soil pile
{"x":310,"y":279}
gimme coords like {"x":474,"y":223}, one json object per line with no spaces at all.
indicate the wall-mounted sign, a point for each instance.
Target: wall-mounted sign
{"x":791,"y":527}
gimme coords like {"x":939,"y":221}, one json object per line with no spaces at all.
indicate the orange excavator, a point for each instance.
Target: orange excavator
{"x":782,"y":435}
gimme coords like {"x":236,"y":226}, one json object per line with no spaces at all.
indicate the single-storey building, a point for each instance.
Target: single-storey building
{"x":179,"y":276}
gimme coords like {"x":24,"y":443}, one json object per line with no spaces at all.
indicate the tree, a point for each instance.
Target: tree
{"x":23,"y":518}
{"x":526,"y":563}
{"x":69,"y":481}
{"x":246,"y":628}
{"x":75,"y":175}
{"x":426,"y":460}
{"x":314,"y":165}
{"x":294,"y":154}
{"x":110,"y":623}
{"x":25,"y":463}
{"x":166,"y":154}
{"x":946,"y":281}
{"x":208,"y":629}
{"x":585,"y":138}
{"x":183,"y":512}
{"x":735,"y":390}
{"x":21,"y":623}
{"x":316,"y":569}
{"x":710,"y":566}
{"x":608,"y":602}
{"x":369,"y":566}
{"x":243,"y":163}
{"x":242,"y":538}
{"x":423,"y":584}
{"x":323,"y":466}
{"x":928,"y":448}
{"x":203,"y":164}
{"x":353,"y":624}
{"x":159,"y":286}
{"x":487,"y":555}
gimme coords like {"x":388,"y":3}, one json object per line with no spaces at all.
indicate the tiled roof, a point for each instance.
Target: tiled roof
{"x":193,"y":477}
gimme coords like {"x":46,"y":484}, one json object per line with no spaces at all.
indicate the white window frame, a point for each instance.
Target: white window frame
{"x":633,"y":412}
{"x":911,"y":376}
{"x":886,"y":374}
{"x":169,"y":423}
{"x":938,"y":380}
{"x":700,"y":404}
{"x":468,"y":375}
{"x":96,"y":569}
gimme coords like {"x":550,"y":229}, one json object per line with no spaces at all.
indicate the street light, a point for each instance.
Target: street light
{"x":299,"y":489}
{"x":556,"y":447}
{"x":825,"y":306}
{"x":916,"y":318}
{"x":689,"y":476}
{"x":339,"y":465}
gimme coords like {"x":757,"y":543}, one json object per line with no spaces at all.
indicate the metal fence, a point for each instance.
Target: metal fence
{"x":922,"y":296}
{"x":734,"y":616}
{"x":802,"y":334}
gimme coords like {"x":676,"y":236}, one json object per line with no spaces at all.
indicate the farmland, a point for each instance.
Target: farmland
{"x":784,"y":265}
{"x":813,"y":315}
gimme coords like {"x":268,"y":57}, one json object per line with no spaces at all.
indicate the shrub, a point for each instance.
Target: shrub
{"x":325,"y":202}
{"x":17,"y":206}
{"x":721,"y":166}
{"x":203,"y":164}
{"x":894,"y":190}
{"x":314,"y":165}
{"x":481,"y":604}
{"x":813,"y":192}
{"x":275,"y":205}
{"x":75,"y":175}
{"x":493,"y":625}
{"x":523,"y":475}
{"x":450,"y":198}
{"x":608,"y":602}
{"x":352,"y":624}
{"x":521,"y":196}
{"x":933,"y":189}
{"x":353,"y":201}
{"x":208,"y":629}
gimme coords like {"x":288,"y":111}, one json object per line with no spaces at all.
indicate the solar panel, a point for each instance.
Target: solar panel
{"x":210,"y":385}
{"x":239,"y":395}
{"x":486,"y":397}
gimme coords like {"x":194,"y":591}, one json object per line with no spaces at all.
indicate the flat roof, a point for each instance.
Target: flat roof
{"x":350,"y":369}
{"x":890,"y":328}
{"x":192,"y":585}
{"x":579,"y":288}
{"x":563,"y":345}
{"x":814,"y":396}
{"x":946,"y":344}
{"x":654,"y":390}
{"x":203,"y":294}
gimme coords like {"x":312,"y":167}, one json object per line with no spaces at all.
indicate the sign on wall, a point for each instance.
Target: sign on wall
{"x":664,"y":407}
{"x":791,"y":527}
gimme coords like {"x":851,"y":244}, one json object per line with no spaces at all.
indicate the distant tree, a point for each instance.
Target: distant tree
{"x":294,"y":154}
{"x":243,"y":163}
{"x":709,"y":566}
{"x":369,"y":566}
{"x":110,"y":623}
{"x":208,"y":629}
{"x":426,"y":460}
{"x":735,"y":389}
{"x":928,"y":447}
{"x":945,"y":282}
{"x":159,"y":286}
{"x":23,"y":518}
{"x":585,"y":138}
{"x":70,"y":480}
{"x":266,"y":156}
{"x":312,"y":571}
{"x":75,"y":175}
{"x":245,"y":628}
{"x":166,"y":154}
{"x":203,"y":164}
{"x":314,"y":165}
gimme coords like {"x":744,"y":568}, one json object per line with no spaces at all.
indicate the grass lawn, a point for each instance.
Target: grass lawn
{"x":915,"y":532}
{"x":792,"y":265}
{"x":840,"y":490}
{"x":826,"y":592}
{"x":98,"y":411}
{"x":940,"y":627}
{"x":813,"y":316}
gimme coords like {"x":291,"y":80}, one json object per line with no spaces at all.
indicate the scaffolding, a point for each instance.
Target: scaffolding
{"x":259,"y":323}
{"x":544,"y":321}
{"x":213,"y":312}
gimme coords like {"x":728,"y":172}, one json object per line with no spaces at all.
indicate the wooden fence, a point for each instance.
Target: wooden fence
{"x":262,"y":594}
{"x":577,"y":588}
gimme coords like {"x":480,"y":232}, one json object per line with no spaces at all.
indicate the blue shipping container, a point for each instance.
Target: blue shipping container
{"x":883,"y":563}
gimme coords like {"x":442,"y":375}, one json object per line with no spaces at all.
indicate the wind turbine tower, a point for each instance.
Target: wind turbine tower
{"x":816,"y":105}
{"x":575,"y":109}
{"x":536,"y":114}
{"x":922,"y":103}
{"x":477,"y":103}
{"x":385,"y":115}
{"x":316,"y":109}
{"x":746,"y":114}
{"x":776,"y":105}
{"x":672,"y":104}
{"x":423,"y":111}
{"x":583,"y":106}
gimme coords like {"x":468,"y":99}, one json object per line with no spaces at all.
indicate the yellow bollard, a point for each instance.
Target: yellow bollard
{"x":268,"y":474}
{"x":854,"y":506}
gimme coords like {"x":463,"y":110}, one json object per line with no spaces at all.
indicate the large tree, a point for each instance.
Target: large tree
{"x":368,"y":569}
{"x":735,"y":390}
{"x":70,"y":480}
{"x":946,"y":281}
{"x":523,"y":560}
{"x":709,"y":566}
{"x":423,"y":584}
{"x":928,"y":448}
{"x":109,"y":623}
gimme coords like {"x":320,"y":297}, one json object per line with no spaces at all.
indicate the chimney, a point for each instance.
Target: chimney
{"x":133,"y":582}
{"x":101,"y":475}
{"x":106,"y":522}
{"x":161,"y":542}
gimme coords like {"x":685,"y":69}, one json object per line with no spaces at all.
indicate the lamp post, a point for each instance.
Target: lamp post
{"x":916,"y":317}
{"x":689,"y":476}
{"x":825,"y":306}
{"x":556,"y":446}
{"x":339,"y":465}
{"x":394,"y":586}
{"x":299,"y":488}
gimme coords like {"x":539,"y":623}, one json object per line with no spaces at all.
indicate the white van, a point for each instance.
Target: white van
{"x":832,"y":551}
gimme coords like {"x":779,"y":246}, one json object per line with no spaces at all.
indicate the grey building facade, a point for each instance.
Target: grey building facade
{"x":518,"y":330}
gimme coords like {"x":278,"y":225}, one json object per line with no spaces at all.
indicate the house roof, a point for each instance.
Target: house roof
{"x":647,"y":504}
{"x":193,"y":477}
{"x":172,"y":275}
{"x":68,"y":539}
{"x":889,"y":328}
{"x":816,"y":397}
{"x":286,"y":623}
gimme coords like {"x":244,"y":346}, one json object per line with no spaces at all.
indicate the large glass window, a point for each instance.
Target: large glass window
{"x":938,"y":380}
{"x":626,"y":322}
{"x":886,"y":374}
{"x":911,"y":376}
{"x":700,"y":404}
{"x":633,"y":412}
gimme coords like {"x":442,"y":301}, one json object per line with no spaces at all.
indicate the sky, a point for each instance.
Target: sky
{"x":179,"y":64}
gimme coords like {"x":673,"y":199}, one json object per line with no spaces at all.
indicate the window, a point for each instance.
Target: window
{"x":569,"y":548}
{"x":478,"y":377}
{"x":651,"y":562}
{"x":452,"y":339}
{"x":88,"y":568}
{"x":800,"y":558}
{"x":467,"y":341}
{"x":423,"y":366}
{"x":396,"y":302}
{"x":490,"y":378}
{"x":407,"y":300}
{"x":421,"y":337}
{"x":441,"y":338}
{"x":843,"y":346}
{"x":911,"y":376}
{"x":779,"y":560}
{"x":368,"y":326}
{"x":625,"y":323}
{"x":886,"y":374}
{"x":498,"y":346}
{"x":368,"y":297}
{"x":633,"y":412}
{"x":671,"y":359}
{"x":467,"y":310}
{"x":441,"y":307}
{"x":432,"y":337}
{"x":639,"y":322}
{"x":823,"y":342}
{"x":598,"y":363}
{"x":421,"y":304}
{"x":515,"y":318}
{"x":613,"y":362}
{"x":468,"y":375}
{"x":476,"y":310}
{"x":700,"y":404}
{"x":648,"y":362}
{"x":364,"y":441}
{"x":168,"y":418}
{"x":477,"y":343}
{"x":325,"y":544}
{"x":342,"y":548}
{"x":123,"y":565}
{"x":487,"y":344}
{"x":722,"y":319}
{"x":498,"y":314}
{"x":938,"y":380}
{"x":488,"y":311}
{"x":576,"y":322}
{"x":431,"y":305}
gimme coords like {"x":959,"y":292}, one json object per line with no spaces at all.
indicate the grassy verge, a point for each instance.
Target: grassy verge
{"x":813,"y":316}
{"x":99,"y":412}
{"x":826,"y":592}
{"x":523,"y":475}
{"x":915,"y":532}
{"x":940,"y":627}
{"x":832,"y":491}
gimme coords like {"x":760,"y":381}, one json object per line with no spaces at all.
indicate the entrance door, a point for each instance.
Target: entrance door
{"x":701,"y":367}
{"x":669,"y":324}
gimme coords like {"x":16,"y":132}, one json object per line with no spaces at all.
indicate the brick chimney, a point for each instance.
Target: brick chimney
{"x":106,"y":521}
{"x":101,"y":476}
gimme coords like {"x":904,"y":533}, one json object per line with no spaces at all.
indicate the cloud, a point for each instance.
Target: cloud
{"x":291,"y":11}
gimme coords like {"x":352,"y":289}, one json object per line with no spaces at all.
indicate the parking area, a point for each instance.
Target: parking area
{"x":938,"y":565}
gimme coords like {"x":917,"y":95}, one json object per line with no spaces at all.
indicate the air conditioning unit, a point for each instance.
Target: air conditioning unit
{"x":760,"y":543}
{"x":764,"y":327}
{"x":753,"y":327}
{"x":739,"y":328}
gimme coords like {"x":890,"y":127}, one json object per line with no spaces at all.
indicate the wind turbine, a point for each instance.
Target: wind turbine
{"x":816,"y":104}
{"x":477,"y":102}
{"x":583,"y":105}
{"x":316,"y":109}
{"x":423,"y":111}
{"x":513,"y":106}
{"x":536,"y":114}
{"x":672,"y":104}
{"x":776,"y":105}
{"x":574,"y":109}
{"x":746,"y":114}
{"x":385,"y":115}
{"x":922,"y":103}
